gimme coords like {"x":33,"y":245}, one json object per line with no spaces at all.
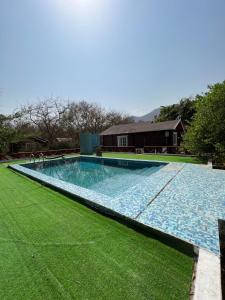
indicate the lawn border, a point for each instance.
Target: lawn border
{"x":201,"y":162}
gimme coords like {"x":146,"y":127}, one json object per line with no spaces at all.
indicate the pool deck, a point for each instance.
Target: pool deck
{"x":182,"y":200}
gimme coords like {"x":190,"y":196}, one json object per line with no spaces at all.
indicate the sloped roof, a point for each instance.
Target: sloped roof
{"x":141,"y":127}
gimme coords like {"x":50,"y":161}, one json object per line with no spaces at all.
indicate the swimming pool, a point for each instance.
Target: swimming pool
{"x":116,"y":186}
{"x":182,"y":200}
{"x":107,"y":176}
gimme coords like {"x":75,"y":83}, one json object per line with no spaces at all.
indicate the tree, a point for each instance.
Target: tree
{"x":84,"y":116}
{"x":90,"y":117}
{"x":185,"y":110}
{"x":206,"y":133}
{"x":52,"y":118}
{"x":46,"y":115}
{"x":7,"y":131}
{"x":116,"y":118}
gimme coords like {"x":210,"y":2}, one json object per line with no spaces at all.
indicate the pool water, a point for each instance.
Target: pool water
{"x":106,"y":176}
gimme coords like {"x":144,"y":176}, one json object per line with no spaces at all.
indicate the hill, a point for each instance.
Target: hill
{"x":148,"y":117}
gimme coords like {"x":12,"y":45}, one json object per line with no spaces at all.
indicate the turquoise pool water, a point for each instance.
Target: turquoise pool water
{"x":109,"y":177}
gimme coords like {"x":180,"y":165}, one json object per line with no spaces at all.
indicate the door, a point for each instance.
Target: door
{"x":122,"y":141}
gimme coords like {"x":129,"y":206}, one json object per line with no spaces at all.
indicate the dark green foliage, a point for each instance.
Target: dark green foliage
{"x":185,"y":110}
{"x":6,"y":132}
{"x":207,"y":131}
{"x":11,"y":131}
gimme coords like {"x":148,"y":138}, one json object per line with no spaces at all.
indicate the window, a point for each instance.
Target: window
{"x":175,"y":138}
{"x":122,"y":141}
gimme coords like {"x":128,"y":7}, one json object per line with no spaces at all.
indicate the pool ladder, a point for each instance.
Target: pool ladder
{"x":34,"y":159}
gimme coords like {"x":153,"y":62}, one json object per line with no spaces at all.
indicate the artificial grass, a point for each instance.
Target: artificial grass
{"x":169,"y":158}
{"x":12,"y":162}
{"x":52,"y":247}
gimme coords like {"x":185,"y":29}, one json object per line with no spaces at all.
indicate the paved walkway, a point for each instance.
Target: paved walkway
{"x":190,"y":205}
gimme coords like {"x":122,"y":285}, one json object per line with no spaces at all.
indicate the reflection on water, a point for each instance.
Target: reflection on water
{"x":109,"y":177}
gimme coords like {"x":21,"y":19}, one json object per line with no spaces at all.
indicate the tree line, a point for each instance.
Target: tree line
{"x":54,"y":117}
{"x":202,"y":115}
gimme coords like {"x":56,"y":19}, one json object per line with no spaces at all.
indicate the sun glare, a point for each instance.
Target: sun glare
{"x":89,"y":14}
{"x":80,"y":5}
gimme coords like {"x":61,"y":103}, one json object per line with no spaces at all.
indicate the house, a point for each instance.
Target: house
{"x":151,"y":137}
{"x":32,"y":143}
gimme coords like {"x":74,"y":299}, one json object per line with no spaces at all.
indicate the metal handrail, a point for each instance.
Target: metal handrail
{"x":41,"y":156}
{"x":32,"y":157}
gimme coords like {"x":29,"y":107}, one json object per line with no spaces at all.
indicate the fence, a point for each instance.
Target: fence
{"x":45,"y":153}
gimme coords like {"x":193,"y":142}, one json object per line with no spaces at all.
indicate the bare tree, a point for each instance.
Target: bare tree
{"x":90,"y":117}
{"x":46,"y":115}
{"x":116,"y":118}
{"x":53,"y":118}
{"x":84,"y":116}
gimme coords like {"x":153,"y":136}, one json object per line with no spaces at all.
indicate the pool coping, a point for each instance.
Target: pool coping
{"x":207,"y":282}
{"x":83,"y":198}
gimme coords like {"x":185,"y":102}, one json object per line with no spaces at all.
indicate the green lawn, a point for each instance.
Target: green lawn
{"x":169,"y":158}
{"x":51,"y":247}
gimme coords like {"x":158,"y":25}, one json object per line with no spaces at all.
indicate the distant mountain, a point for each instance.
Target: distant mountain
{"x":148,"y":117}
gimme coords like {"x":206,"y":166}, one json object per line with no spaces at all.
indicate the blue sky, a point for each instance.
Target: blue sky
{"x":129,"y":55}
